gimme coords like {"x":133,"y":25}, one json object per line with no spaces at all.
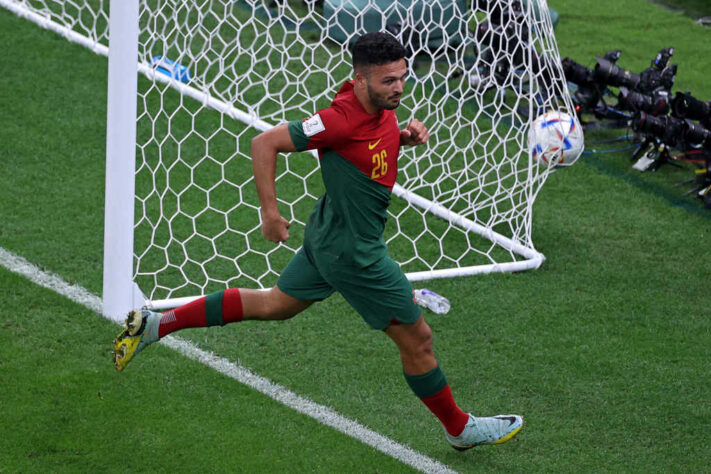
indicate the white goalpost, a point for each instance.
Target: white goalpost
{"x":191,"y":82}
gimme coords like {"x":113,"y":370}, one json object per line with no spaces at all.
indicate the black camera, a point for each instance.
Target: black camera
{"x":656,"y":103}
{"x":613,"y":55}
{"x":672,"y":131}
{"x":588,"y":96}
{"x":651,"y":79}
{"x":663,"y":57}
{"x":685,"y":105}
{"x":608,"y":73}
{"x":697,"y":134}
{"x":588,"y":93}
{"x":499,"y":15}
{"x":503,"y":21}
{"x":660,"y":74}
{"x":667,"y":128}
{"x":576,"y":73}
{"x":581,"y":75}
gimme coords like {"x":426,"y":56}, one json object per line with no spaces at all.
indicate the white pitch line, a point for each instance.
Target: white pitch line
{"x":281,"y":394}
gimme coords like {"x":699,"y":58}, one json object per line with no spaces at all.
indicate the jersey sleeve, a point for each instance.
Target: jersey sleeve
{"x":325,"y":129}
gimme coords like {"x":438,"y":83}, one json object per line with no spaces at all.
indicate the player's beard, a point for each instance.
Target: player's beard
{"x":383,"y":101}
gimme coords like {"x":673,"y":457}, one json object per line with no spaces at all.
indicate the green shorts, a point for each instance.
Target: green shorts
{"x":380,"y":292}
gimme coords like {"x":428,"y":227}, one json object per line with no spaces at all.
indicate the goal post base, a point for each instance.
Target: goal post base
{"x":507,"y":267}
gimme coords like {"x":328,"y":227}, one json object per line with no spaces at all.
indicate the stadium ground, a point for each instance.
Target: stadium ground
{"x":605,"y":349}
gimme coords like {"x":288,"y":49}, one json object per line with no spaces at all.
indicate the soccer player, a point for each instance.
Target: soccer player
{"x":358,"y":140}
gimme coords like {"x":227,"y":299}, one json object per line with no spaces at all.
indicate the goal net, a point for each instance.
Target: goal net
{"x":214,"y":73}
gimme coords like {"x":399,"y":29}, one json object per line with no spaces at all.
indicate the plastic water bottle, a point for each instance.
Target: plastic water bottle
{"x":171,"y":68}
{"x":432,"y":301}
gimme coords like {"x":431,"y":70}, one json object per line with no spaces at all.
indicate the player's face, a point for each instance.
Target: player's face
{"x":385,"y":84}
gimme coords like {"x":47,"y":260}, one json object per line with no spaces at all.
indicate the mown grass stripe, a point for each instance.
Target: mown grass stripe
{"x":283,"y":395}
{"x":672,"y":196}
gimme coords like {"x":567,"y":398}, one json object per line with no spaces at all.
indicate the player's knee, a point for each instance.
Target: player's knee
{"x":425,"y":335}
{"x":421,"y":340}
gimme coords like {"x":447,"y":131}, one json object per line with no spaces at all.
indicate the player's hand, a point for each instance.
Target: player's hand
{"x":275,"y":228}
{"x":414,"y":134}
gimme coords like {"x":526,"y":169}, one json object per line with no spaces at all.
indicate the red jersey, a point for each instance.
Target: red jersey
{"x":369,"y":141}
{"x":358,"y":153}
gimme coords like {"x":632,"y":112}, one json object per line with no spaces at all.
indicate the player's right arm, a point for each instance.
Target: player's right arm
{"x":265,"y":147}
{"x":322,"y":130}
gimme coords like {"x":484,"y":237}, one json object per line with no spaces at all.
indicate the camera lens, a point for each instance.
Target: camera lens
{"x":685,"y":105}
{"x":655,"y":104}
{"x":696,"y":134}
{"x":576,"y":73}
{"x":668,"y":129}
{"x":608,"y":73}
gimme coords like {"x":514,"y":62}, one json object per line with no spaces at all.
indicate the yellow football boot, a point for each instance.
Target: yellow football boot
{"x":141,"y":331}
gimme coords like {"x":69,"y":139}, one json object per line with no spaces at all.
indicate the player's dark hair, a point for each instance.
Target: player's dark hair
{"x":376,"y":49}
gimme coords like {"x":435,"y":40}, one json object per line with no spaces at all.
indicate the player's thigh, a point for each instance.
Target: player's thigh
{"x":301,"y":279}
{"x":380,"y":293}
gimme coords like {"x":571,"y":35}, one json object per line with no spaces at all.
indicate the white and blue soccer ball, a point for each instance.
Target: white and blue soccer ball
{"x":556,"y":139}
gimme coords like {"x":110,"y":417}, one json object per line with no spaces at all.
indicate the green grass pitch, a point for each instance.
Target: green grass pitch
{"x":604,"y":350}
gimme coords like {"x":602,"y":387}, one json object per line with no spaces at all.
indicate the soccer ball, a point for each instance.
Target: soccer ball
{"x":556,"y":139}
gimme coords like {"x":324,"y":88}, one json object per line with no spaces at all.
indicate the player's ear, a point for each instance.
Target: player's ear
{"x":361,"y":77}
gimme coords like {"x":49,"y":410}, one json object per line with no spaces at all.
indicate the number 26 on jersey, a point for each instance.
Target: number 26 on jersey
{"x":380,"y":165}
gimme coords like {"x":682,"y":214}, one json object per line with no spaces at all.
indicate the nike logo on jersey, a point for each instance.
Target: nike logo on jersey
{"x":373,"y":145}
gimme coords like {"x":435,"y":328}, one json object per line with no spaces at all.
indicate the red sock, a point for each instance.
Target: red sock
{"x":446,"y":410}
{"x":216,"y":309}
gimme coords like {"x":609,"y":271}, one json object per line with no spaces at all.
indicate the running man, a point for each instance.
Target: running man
{"x":358,"y":141}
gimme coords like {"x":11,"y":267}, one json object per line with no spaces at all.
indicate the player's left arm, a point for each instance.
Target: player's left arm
{"x":414,"y":134}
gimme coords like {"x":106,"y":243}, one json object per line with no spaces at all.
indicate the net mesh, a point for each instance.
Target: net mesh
{"x":219,"y":71}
